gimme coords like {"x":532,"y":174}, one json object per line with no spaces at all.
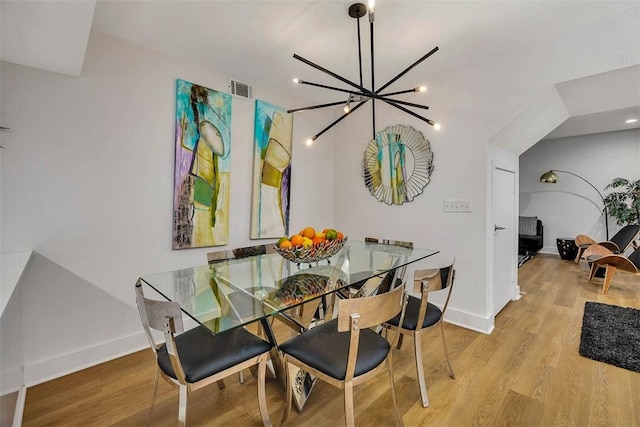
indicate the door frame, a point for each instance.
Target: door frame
{"x":515,"y":289}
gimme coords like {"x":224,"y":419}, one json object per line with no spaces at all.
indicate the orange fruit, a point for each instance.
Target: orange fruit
{"x":297,"y":240}
{"x":285,"y":244}
{"x":340,"y":235}
{"x":309,"y":232}
{"x":317,"y":240}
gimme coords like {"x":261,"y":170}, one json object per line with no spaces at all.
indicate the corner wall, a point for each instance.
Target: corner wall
{"x":87,"y":182}
{"x":570,"y":207}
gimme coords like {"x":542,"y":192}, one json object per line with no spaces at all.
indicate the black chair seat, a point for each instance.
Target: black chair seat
{"x":326,"y":349}
{"x":411,"y":316}
{"x":203,"y":354}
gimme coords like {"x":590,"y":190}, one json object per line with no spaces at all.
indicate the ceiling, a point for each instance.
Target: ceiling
{"x":253,"y":41}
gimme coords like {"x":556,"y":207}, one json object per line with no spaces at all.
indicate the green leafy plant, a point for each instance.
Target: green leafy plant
{"x":624,"y":204}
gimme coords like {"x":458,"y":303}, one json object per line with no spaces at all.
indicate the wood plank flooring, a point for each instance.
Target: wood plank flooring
{"x":526,"y":373}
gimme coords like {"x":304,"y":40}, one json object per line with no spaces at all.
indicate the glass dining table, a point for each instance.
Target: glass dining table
{"x":237,"y":292}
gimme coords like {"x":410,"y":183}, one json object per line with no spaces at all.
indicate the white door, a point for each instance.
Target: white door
{"x":505,"y":255}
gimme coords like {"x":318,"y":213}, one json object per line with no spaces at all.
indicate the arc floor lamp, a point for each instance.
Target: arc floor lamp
{"x":551,"y":178}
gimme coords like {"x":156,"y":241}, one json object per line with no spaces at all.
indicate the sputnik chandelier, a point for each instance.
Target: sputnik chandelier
{"x":362,"y":95}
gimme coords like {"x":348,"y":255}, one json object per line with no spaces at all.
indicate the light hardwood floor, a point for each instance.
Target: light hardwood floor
{"x":526,"y":373}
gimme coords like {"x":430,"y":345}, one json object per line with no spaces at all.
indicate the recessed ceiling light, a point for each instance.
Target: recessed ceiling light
{"x":631,"y":121}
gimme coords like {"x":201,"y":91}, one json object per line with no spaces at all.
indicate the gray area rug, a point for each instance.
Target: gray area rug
{"x":611,"y":334}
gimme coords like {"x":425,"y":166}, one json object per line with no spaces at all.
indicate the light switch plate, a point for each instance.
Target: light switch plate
{"x":457,"y":205}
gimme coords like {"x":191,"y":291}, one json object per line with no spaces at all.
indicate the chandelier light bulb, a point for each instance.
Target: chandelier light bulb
{"x":309,"y":142}
{"x":421,"y":89}
{"x":296,"y":80}
{"x":437,"y":126}
{"x":372,"y":6}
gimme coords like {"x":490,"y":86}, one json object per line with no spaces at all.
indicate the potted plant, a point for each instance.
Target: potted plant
{"x":624,"y":204}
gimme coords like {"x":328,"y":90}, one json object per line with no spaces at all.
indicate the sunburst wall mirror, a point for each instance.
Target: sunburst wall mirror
{"x":397,"y":164}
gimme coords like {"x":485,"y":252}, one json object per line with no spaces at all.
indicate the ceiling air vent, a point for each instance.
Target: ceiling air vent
{"x":240,"y":89}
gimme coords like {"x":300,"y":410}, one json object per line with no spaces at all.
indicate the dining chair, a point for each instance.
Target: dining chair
{"x":345,"y":352}
{"x":197,"y":358}
{"x":381,"y":282}
{"x":421,"y":315}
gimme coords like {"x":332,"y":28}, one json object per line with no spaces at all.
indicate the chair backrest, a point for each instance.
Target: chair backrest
{"x":355,"y":314}
{"x":625,"y":236}
{"x":166,"y":317}
{"x":634,"y":257}
{"x":399,"y":272}
{"x":432,"y":280}
{"x":219,"y":256}
{"x":370,"y":311}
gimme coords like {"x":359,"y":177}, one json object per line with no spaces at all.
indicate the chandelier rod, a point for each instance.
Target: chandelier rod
{"x":367,"y":93}
{"x":373,"y":87}
{"x":424,"y":119}
{"x":359,"y":52}
{"x":313,"y":107}
{"x":406,"y":70}
{"x":374,"y":96}
{"x":338,"y":120}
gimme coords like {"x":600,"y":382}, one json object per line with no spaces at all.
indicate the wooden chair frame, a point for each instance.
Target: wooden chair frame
{"x":583,"y":242}
{"x":601,"y":256}
{"x":166,"y":317}
{"x":424,"y":282}
{"x":354,"y":315}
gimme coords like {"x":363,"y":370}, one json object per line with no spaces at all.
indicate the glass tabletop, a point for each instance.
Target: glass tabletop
{"x":236,"y":292}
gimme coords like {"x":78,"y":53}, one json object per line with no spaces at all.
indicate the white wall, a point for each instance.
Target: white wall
{"x":571,"y":206}
{"x":88,"y":183}
{"x":475,"y":104}
{"x":87,"y":174}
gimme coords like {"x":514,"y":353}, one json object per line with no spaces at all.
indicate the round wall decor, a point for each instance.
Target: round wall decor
{"x":397,"y":164}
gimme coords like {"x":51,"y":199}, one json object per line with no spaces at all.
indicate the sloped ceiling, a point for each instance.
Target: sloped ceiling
{"x":254,"y":41}
{"x":50,"y":35}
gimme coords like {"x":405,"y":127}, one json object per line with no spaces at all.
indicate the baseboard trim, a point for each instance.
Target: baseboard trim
{"x":468,"y":320}
{"x":45,"y":370}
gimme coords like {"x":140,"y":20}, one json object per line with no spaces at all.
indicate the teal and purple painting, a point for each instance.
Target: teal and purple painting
{"x":201,"y":180}
{"x":273,"y":140}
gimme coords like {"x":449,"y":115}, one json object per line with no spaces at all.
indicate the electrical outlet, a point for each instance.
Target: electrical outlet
{"x":457,"y":205}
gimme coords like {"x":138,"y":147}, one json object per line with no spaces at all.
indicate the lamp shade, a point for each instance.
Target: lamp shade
{"x":549,"y":177}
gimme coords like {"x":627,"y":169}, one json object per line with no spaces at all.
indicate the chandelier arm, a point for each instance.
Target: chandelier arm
{"x":400,"y":92}
{"x":373,"y":86}
{"x":314,"y":107}
{"x":359,"y":51}
{"x":424,"y":119}
{"x":331,"y":73}
{"x":409,"y":104}
{"x":349,"y":91}
{"x":366,"y":93}
{"x":338,"y":120}
{"x":406,"y":70}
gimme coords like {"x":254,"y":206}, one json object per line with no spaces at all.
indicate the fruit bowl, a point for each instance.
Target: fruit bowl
{"x":314,"y":253}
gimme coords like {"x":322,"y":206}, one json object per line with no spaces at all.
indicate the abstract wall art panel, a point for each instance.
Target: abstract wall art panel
{"x":273,"y":136}
{"x":201,"y":180}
